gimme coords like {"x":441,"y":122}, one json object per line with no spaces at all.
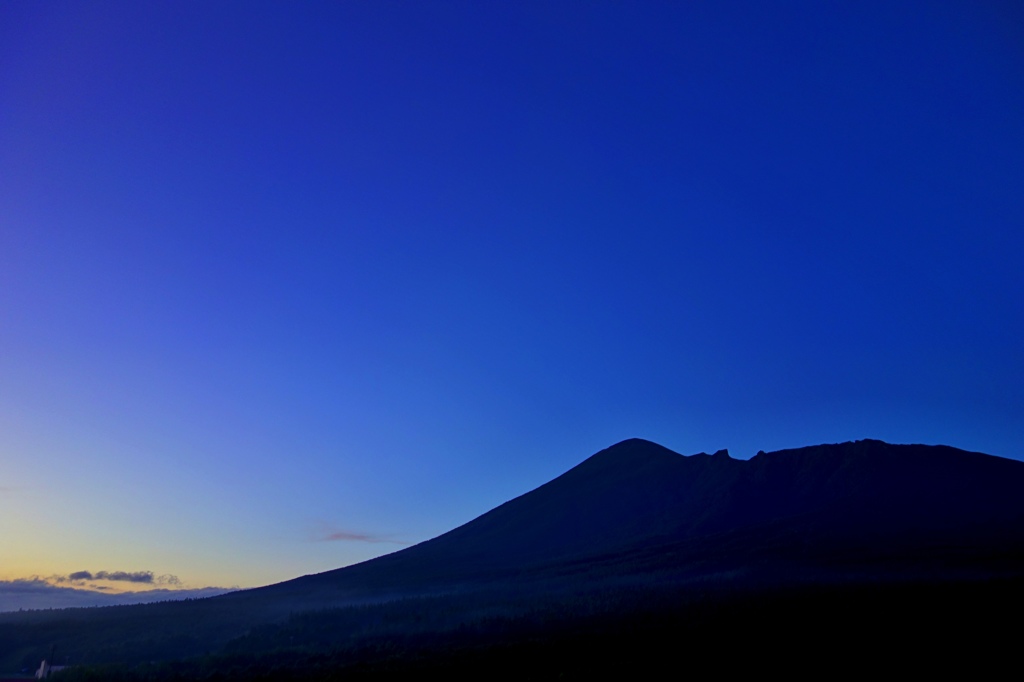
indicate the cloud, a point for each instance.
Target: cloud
{"x":347,"y":535}
{"x":330,"y":534}
{"x":125,"y":576}
{"x":143,"y":577}
{"x":39,"y":593}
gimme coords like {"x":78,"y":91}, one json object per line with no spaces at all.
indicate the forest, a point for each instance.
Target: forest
{"x":853,"y":627}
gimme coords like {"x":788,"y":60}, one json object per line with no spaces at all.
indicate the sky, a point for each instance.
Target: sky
{"x":286,"y":286}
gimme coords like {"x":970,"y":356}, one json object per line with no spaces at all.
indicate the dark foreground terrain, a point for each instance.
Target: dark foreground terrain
{"x":968,"y":628}
{"x":863,"y":557}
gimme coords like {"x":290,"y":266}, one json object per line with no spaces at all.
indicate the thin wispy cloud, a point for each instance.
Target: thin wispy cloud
{"x":345,"y":536}
{"x":332,"y":534}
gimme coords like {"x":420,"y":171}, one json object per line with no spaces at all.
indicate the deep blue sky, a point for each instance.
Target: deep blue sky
{"x":277,"y":272}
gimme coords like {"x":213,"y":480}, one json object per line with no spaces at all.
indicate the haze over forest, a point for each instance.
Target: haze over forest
{"x":288,"y":286}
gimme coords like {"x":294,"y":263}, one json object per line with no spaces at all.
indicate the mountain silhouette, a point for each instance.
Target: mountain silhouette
{"x":864,"y":510}
{"x":640,"y":547}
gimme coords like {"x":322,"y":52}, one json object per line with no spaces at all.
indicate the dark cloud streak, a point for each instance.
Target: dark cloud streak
{"x":142,"y":577}
{"x":136,"y":577}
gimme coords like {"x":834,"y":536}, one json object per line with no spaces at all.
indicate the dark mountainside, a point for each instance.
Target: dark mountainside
{"x":636,"y":539}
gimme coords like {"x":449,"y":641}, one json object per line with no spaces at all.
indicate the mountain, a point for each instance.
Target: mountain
{"x":864,"y":509}
{"x":635,"y":544}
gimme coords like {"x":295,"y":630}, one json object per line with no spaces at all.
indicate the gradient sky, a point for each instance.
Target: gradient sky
{"x":284,"y":286}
